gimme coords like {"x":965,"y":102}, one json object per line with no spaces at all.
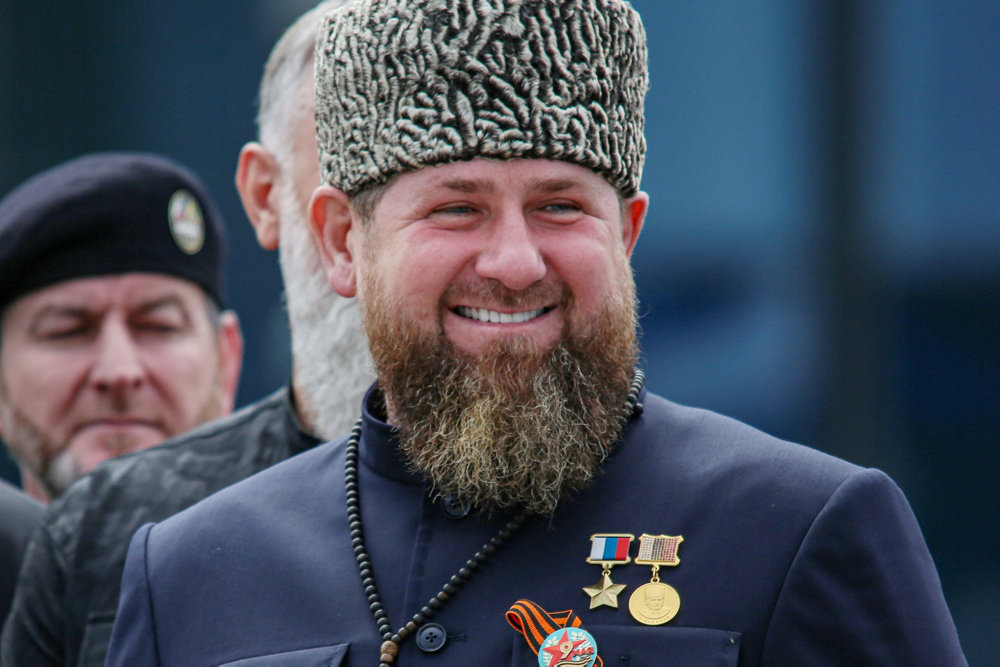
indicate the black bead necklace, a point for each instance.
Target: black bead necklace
{"x":390,"y":642}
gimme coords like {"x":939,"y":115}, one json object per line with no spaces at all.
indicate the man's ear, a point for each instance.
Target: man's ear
{"x":636,"y":207}
{"x":256,"y":174}
{"x":333,"y":229}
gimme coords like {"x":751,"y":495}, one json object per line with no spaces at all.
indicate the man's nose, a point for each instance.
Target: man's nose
{"x":117,"y":364}
{"x":511,"y":254}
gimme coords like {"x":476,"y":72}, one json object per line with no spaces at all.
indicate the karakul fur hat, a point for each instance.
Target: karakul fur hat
{"x":404,"y":84}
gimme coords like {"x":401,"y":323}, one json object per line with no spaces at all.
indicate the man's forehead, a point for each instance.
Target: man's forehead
{"x":492,"y":175}
{"x":129,"y":290}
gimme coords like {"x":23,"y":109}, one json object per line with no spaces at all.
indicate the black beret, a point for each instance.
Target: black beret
{"x":110,"y":213}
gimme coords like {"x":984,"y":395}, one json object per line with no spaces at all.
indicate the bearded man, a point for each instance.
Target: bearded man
{"x":481,"y":166}
{"x":113,"y":335}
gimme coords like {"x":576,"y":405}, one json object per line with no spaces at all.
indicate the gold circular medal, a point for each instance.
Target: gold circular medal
{"x":654,"y":603}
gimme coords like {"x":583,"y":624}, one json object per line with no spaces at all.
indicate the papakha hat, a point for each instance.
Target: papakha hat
{"x":110,"y":213}
{"x":405,"y":84}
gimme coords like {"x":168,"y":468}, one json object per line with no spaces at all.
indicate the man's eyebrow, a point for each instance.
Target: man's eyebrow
{"x":63,"y":310}
{"x":472,"y":185}
{"x":170,"y":300}
{"x":556,"y":185}
{"x":467,"y":185}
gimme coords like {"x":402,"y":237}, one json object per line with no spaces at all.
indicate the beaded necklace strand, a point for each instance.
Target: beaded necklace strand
{"x":391,"y":641}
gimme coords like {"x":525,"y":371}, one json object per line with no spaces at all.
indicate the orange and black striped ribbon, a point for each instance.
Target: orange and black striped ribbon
{"x":536,"y":624}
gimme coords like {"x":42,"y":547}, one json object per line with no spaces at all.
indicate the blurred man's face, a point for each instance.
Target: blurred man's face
{"x":96,"y":367}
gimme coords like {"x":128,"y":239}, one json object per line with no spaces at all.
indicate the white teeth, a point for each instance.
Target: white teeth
{"x":483,"y":315}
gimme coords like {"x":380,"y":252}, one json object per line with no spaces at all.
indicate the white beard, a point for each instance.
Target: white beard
{"x":332,"y":365}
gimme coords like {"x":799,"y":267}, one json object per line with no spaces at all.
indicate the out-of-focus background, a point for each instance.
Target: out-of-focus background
{"x":822,"y":255}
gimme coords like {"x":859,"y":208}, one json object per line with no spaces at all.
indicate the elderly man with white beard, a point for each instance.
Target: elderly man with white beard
{"x":68,"y":592}
{"x":481,"y":164}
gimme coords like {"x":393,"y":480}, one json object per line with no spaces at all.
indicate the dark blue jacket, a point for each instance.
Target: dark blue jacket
{"x":790,"y":557}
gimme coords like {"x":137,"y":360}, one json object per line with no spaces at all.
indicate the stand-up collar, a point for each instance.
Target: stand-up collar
{"x":379,"y":448}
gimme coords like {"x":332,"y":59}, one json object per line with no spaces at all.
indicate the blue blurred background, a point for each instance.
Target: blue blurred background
{"x":822,"y":257}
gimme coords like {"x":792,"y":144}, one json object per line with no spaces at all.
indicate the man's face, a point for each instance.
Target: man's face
{"x":96,"y":367}
{"x":499,"y":307}
{"x":654,"y":598}
{"x":487,"y":250}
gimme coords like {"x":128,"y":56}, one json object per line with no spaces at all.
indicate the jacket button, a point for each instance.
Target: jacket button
{"x":431,"y":638}
{"x":455,"y":508}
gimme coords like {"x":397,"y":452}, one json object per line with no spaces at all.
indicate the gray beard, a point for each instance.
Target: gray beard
{"x":332,"y":365}
{"x":513,"y":427}
{"x":51,"y":466}
{"x":50,"y":463}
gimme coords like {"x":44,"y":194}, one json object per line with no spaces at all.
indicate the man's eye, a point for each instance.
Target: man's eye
{"x":456,"y":209}
{"x":63,"y":332}
{"x":561,"y":208}
{"x":157,"y":327}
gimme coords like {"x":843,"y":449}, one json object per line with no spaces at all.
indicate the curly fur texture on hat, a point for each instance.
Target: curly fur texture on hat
{"x":405,"y":84}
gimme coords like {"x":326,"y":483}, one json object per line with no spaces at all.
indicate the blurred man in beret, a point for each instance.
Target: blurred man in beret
{"x":67,"y":593}
{"x":112,"y":332}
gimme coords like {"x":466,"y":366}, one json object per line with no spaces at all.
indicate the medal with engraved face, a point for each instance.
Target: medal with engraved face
{"x":656,"y":603}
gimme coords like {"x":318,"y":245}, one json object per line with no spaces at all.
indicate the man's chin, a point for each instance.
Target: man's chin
{"x":98,"y":444}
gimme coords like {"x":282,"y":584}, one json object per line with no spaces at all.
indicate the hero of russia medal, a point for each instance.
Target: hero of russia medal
{"x":607,"y":550}
{"x":656,"y":603}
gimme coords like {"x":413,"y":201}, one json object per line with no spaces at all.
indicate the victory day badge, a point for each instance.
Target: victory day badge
{"x":569,"y":647}
{"x":656,"y":603}
{"x":607,"y":550}
{"x":557,"y":638}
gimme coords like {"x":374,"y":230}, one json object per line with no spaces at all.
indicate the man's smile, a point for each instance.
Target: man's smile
{"x":494,"y":316}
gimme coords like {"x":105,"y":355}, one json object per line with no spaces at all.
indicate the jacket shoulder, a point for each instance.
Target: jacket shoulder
{"x":149,"y":485}
{"x":703,"y":444}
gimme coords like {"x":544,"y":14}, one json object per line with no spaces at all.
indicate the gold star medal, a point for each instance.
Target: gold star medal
{"x":656,"y":603}
{"x":607,"y":550}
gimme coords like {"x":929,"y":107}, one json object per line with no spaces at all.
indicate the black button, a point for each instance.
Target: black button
{"x":454,"y":507}
{"x":431,"y":638}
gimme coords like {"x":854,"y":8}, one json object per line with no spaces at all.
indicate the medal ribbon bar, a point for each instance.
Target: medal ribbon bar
{"x":610,"y":548}
{"x":658,"y":549}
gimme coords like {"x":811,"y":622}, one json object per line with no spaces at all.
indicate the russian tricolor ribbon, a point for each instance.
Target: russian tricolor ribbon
{"x":610,"y":548}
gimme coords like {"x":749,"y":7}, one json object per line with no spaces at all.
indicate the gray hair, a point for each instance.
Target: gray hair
{"x":280,"y":100}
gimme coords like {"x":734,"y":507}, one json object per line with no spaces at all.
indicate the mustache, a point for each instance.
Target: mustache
{"x":492,"y":291}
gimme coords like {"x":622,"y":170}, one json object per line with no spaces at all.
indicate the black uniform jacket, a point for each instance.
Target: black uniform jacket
{"x":19,"y":516}
{"x":68,"y":593}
